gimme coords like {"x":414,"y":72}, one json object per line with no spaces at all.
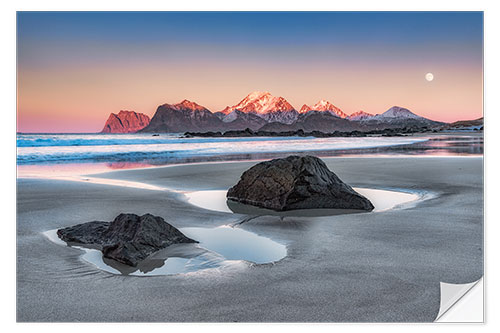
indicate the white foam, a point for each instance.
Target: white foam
{"x":33,"y":149}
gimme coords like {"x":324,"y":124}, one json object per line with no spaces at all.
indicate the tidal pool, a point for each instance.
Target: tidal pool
{"x":228,"y":246}
{"x":382,"y":200}
{"x":220,"y":247}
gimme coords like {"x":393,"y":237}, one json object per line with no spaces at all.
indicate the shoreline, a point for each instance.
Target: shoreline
{"x":97,"y":177}
{"x":436,"y":145}
{"x":26,"y":174}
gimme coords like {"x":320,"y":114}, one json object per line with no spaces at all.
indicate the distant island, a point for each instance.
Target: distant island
{"x":261,"y":112}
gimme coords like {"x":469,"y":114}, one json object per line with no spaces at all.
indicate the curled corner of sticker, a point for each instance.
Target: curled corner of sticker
{"x":455,"y":304}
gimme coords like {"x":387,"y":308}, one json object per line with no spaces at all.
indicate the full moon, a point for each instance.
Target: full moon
{"x":429,"y":77}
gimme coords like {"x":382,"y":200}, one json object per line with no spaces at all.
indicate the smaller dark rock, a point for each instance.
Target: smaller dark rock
{"x":128,"y":239}
{"x":90,"y":233}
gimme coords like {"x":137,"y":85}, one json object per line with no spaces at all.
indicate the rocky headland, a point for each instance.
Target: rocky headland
{"x":125,"y":122}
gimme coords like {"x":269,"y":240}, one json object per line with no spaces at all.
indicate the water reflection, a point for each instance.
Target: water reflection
{"x":434,"y":146}
{"x":220,"y":247}
{"x":382,"y":200}
{"x":237,"y":244}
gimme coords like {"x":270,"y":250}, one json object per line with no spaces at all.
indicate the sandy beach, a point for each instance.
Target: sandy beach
{"x":371,"y":267}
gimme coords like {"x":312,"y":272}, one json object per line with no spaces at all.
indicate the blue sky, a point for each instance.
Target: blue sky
{"x":366,"y":32}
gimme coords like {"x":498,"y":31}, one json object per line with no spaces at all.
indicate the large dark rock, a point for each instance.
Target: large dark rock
{"x":295,"y":182}
{"x":128,"y":239}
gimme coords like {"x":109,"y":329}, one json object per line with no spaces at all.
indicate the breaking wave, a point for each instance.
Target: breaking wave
{"x":71,"y":148}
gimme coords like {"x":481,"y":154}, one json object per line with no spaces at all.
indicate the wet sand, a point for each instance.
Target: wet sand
{"x":383,"y":266}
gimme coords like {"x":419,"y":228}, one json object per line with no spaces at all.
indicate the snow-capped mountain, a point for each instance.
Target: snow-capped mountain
{"x":183,"y":116}
{"x":311,"y":120}
{"x":396,"y":113}
{"x":266,"y":106}
{"x":305,"y":108}
{"x":188,"y":105}
{"x":396,"y":116}
{"x":324,"y":106}
{"x":360,"y":115}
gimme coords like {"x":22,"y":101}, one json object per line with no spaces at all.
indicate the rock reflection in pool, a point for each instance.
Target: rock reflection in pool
{"x":219,"y":247}
{"x":175,"y":259}
{"x":382,"y":200}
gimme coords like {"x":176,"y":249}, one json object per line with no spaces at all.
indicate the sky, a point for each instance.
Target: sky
{"x":75,"y":68}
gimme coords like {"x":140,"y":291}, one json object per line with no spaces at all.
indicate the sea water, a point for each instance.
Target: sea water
{"x":171,"y":148}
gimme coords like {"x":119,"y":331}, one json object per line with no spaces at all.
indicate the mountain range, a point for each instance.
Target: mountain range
{"x":261,"y":111}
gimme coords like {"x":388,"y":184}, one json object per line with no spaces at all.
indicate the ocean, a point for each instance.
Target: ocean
{"x":35,"y":149}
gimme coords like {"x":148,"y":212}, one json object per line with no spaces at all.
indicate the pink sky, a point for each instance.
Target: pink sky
{"x":80,"y":99}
